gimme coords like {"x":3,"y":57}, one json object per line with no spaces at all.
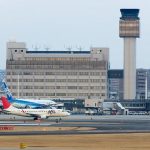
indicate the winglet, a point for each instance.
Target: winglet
{"x":5,"y":102}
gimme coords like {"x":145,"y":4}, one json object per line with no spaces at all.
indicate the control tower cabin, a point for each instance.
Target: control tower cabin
{"x":129,"y":29}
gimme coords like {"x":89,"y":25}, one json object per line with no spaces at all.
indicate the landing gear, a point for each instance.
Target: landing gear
{"x":36,"y":118}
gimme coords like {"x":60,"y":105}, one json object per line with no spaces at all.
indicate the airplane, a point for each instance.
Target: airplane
{"x":35,"y":113}
{"x":25,"y":103}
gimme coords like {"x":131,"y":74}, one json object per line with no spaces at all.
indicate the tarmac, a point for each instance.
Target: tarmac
{"x":98,"y":124}
{"x":100,"y":130}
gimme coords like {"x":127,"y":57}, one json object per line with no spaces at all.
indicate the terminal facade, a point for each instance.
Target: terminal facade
{"x":115,"y":78}
{"x":57,"y":74}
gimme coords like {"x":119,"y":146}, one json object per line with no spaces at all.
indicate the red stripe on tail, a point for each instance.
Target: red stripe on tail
{"x":5,"y":102}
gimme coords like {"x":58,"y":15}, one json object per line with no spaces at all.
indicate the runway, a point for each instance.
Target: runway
{"x":96,"y":124}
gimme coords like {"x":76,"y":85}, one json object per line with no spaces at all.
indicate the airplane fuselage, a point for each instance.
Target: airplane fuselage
{"x":40,"y":113}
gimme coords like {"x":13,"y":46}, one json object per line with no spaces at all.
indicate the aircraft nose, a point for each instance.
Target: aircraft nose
{"x":67,"y":114}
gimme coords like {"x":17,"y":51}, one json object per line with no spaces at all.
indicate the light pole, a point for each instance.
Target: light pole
{"x":18,"y":86}
{"x":146,"y":85}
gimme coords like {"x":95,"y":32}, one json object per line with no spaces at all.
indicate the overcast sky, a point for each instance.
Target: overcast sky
{"x":63,"y":23}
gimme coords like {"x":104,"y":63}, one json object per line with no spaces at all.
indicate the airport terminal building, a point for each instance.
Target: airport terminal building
{"x":57,"y":74}
{"x":115,"y":77}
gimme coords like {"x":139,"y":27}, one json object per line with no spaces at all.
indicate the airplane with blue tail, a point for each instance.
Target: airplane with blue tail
{"x":37,"y":114}
{"x":24,"y":103}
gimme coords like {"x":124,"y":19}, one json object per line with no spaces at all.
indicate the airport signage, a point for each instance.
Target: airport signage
{"x":6,"y":128}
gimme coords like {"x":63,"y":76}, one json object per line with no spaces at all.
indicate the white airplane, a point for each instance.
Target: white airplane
{"x":35,"y":113}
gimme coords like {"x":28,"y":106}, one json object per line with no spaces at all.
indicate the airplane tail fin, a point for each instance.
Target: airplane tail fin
{"x":5,"y":102}
{"x":5,"y":89}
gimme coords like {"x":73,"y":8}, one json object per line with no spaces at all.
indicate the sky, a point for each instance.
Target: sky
{"x":59,"y":24}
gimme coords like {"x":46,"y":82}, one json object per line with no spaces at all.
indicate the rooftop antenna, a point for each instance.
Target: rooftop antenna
{"x":36,"y":47}
{"x":79,"y":48}
{"x":47,"y":48}
{"x":69,"y":48}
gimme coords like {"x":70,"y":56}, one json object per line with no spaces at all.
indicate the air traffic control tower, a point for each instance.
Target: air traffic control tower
{"x":129,"y":30}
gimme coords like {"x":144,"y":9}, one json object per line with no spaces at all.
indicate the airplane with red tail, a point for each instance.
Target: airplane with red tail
{"x":35,"y":113}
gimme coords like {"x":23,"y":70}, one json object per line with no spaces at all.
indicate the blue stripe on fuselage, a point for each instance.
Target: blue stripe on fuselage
{"x":25,"y":103}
